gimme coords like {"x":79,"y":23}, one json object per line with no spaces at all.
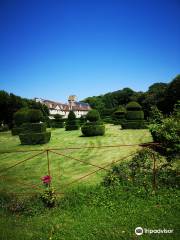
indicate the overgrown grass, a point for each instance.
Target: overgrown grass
{"x":87,"y":210}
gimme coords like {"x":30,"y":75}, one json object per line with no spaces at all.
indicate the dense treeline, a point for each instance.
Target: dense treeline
{"x":162,"y":95}
{"x":10,"y":103}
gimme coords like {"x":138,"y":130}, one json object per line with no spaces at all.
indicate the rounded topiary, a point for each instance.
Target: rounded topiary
{"x":133,"y":106}
{"x":119,"y":115}
{"x":94,"y":126}
{"x":34,"y":115}
{"x":21,"y":116}
{"x":93,"y":115}
{"x":134,"y":117}
{"x":71,"y":122}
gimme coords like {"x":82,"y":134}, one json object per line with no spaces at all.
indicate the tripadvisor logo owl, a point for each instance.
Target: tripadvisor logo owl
{"x":139,"y":231}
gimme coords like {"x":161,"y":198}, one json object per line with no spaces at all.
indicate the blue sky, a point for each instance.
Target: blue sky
{"x":54,"y":48}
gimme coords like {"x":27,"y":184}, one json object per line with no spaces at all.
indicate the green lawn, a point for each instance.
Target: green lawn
{"x":87,"y":211}
{"x":63,"y":169}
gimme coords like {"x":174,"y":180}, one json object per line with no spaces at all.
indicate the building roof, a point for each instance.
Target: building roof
{"x":78,"y":106}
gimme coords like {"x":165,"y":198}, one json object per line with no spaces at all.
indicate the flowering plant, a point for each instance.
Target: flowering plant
{"x":49,"y":195}
{"x":46,"y":180}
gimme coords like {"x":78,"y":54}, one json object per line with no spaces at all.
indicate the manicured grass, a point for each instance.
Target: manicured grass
{"x":87,"y":211}
{"x":63,"y":169}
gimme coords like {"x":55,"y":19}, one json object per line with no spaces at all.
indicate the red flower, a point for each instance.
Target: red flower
{"x":46,"y":179}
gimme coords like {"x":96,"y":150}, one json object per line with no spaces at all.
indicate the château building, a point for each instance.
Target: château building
{"x":79,"y":108}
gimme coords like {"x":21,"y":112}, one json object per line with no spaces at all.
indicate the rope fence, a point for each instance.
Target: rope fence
{"x":55,"y":152}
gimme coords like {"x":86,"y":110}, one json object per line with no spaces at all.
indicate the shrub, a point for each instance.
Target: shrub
{"x":91,"y":129}
{"x":34,"y":138}
{"x":133,"y":115}
{"x":95,"y":127}
{"x":93,"y":116}
{"x":34,"y":115}
{"x":156,"y":115}
{"x":33,"y":127}
{"x":139,"y":172}
{"x":134,"y":124}
{"x":34,"y":132}
{"x":82,"y":120}
{"x":133,"y":106}
{"x":119,"y":115}
{"x":71,"y":122}
{"x":16,"y":131}
{"x":21,"y":116}
{"x":168,"y":134}
{"x":57,"y":122}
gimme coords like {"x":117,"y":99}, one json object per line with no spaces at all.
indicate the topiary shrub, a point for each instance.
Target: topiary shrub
{"x":93,"y":116}
{"x":119,"y":115}
{"x":34,"y":131}
{"x":34,"y":116}
{"x":133,"y":106}
{"x":34,"y":138}
{"x":57,"y":122}
{"x":16,"y":131}
{"x":19,"y":117}
{"x":134,"y":117}
{"x":71,"y":122}
{"x":82,"y":120}
{"x":94,"y":127}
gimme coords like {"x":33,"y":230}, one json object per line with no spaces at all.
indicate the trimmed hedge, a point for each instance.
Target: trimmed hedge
{"x":119,"y":121}
{"x":134,"y":124}
{"x":72,"y":123}
{"x":119,"y":115}
{"x":133,"y":115}
{"x":93,"y":115}
{"x":33,"y":127}
{"x":16,"y":130}
{"x":34,"y":138}
{"x":34,"y":132}
{"x":20,"y":117}
{"x":34,"y":116}
{"x":91,"y":129}
{"x":95,"y":127}
{"x":133,"y":106}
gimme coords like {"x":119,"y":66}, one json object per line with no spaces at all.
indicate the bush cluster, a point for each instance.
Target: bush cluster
{"x":71,"y":123}
{"x":139,"y":172}
{"x":168,"y":134}
{"x":94,"y":126}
